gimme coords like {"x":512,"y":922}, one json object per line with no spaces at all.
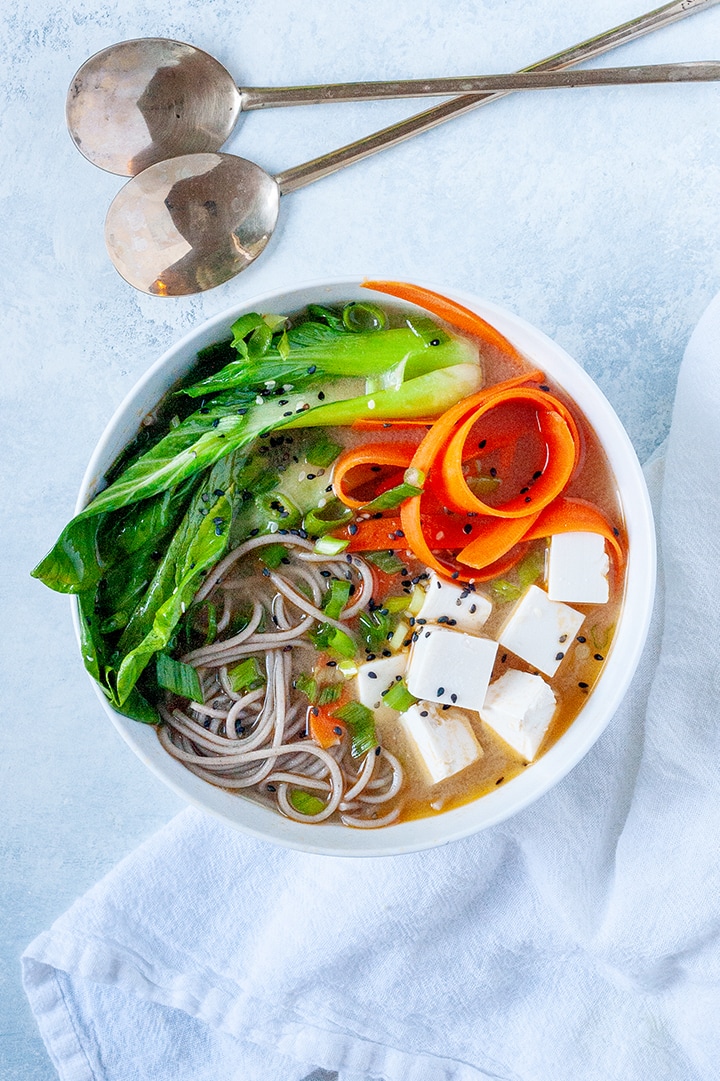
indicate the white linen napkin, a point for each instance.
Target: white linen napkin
{"x":578,"y":941}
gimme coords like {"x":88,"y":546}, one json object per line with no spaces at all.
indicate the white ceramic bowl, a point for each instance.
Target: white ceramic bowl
{"x":629,"y":638}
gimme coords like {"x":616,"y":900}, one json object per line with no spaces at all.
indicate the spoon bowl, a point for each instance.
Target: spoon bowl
{"x":190,"y":223}
{"x":140,"y":101}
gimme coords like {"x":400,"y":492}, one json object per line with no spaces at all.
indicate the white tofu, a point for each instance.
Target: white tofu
{"x":578,"y":567}
{"x":442,"y":741}
{"x":450,"y":667}
{"x":519,"y":707}
{"x":374,"y":677}
{"x":468,"y":610}
{"x":540,"y":631}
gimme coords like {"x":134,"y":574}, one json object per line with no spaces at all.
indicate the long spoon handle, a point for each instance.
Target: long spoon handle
{"x":302,"y":175}
{"x":257,"y":97}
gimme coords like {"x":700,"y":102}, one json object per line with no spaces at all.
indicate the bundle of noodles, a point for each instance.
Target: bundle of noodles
{"x":257,"y":739}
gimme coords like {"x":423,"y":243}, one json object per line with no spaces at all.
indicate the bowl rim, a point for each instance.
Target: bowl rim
{"x":541,"y":776}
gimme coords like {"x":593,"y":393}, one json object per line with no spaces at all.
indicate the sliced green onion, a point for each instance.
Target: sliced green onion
{"x":322,"y":452}
{"x":530,"y":568}
{"x":272,"y":555}
{"x":361,"y":722}
{"x":278,"y":511}
{"x":246,"y":676}
{"x":337,"y":597}
{"x":375,"y":628}
{"x":178,"y":678}
{"x":386,"y":561}
{"x":330,"y":546}
{"x":505,"y":591}
{"x":398,"y":697}
{"x":321,"y":520}
{"x":307,"y":686}
{"x":305,"y":803}
{"x":481,"y":486}
{"x":211,"y":633}
{"x":411,"y":485}
{"x":327,"y":637}
{"x":396,"y":604}
{"x":417,"y":600}
{"x":329,"y":694}
{"x":359,"y":316}
{"x":275,"y":322}
{"x":241,"y":328}
{"x":397,"y":640}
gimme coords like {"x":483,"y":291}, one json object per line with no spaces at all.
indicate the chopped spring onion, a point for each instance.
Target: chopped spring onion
{"x":376,"y":629}
{"x":386,"y":561}
{"x":412,"y":485}
{"x":330,"y":546}
{"x":178,"y":678}
{"x":278,"y":511}
{"x":246,"y":676}
{"x":396,"y":604}
{"x":397,"y":641}
{"x":336,"y":599}
{"x":361,"y":722}
{"x":329,"y":694}
{"x":272,"y":555}
{"x":358,"y":316}
{"x":398,"y":697}
{"x":321,"y":520}
{"x":332,"y":639}
{"x":305,"y":803}
{"x":530,"y":568}
{"x":322,"y":452}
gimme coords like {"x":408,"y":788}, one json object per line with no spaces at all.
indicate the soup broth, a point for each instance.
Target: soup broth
{"x":363,"y":565}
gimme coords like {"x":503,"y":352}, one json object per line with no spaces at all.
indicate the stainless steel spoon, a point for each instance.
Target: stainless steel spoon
{"x":142,"y":101}
{"x":189,"y":223}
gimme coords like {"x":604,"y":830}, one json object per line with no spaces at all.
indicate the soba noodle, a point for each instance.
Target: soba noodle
{"x":256,"y":741}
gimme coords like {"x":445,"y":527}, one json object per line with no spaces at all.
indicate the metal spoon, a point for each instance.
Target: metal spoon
{"x":192,"y":222}
{"x":141,"y":101}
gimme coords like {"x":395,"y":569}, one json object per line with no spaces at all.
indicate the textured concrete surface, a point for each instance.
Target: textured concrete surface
{"x":593,"y":214}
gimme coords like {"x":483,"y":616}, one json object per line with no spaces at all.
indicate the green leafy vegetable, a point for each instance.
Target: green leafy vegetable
{"x":272,"y":555}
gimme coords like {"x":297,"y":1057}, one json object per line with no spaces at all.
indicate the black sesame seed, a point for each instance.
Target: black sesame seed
{"x":537,"y":474}
{"x":423,"y":713}
{"x":312,"y":369}
{"x":467,"y":529}
{"x":321,"y":396}
{"x":559,"y":656}
{"x":372,"y":675}
{"x":583,"y":686}
{"x":455,"y":574}
{"x":386,"y":653}
{"x":503,"y":658}
{"x":482,"y":444}
{"x":440,"y":692}
{"x":473,"y":609}
{"x":581,"y":638}
{"x":500,"y":780}
{"x":331,"y":664}
{"x":453,"y":698}
{"x":598,"y":657}
{"x":493,"y":472}
{"x":271,"y":788}
{"x":452,"y":623}
{"x":447,"y":706}
{"x":352,"y":529}
{"x":544,"y":386}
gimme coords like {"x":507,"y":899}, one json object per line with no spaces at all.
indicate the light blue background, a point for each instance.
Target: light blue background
{"x":593,"y":214}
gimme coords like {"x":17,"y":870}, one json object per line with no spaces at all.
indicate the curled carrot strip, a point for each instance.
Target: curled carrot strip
{"x":559,"y":432}
{"x":458,"y":316}
{"x":363,"y":459}
{"x":570,"y":515}
{"x":497,"y":538}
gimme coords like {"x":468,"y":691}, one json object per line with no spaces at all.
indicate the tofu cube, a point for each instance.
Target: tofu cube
{"x":540,"y":631}
{"x":578,"y":568}
{"x":451,"y":667}
{"x":447,"y":601}
{"x":374,"y":677}
{"x":519,"y":707}
{"x":442,"y":741}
